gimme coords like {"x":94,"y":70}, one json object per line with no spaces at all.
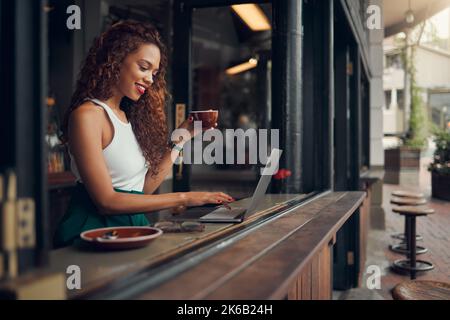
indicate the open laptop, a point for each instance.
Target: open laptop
{"x":234,"y":214}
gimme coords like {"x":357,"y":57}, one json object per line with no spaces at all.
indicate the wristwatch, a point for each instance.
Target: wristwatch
{"x":173,"y":145}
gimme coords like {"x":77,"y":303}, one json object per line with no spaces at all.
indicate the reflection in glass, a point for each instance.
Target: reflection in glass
{"x":231,"y":69}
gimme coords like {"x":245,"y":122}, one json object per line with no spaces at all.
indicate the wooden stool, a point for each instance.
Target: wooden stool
{"x":422,"y":290}
{"x":407,"y":194}
{"x":401,"y":236}
{"x":407,"y":201}
{"x":402,"y":201}
{"x":412,"y":265}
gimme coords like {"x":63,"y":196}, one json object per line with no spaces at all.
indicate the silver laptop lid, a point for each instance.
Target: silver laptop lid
{"x":270,"y":169}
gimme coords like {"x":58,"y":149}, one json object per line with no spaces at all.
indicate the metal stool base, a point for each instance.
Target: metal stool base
{"x":404,"y":266}
{"x":401,"y":236}
{"x":401,"y":248}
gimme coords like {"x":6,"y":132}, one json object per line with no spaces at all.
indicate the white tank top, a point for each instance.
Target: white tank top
{"x":123,"y":156}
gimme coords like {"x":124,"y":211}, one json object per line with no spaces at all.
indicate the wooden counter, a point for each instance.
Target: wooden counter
{"x":279,"y":252}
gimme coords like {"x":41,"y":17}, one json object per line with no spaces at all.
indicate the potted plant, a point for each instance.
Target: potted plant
{"x":440,"y":167}
{"x":406,"y":158}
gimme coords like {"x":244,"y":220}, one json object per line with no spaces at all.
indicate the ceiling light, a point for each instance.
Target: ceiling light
{"x":250,"y":64}
{"x":409,"y":15}
{"x":253,"y":16}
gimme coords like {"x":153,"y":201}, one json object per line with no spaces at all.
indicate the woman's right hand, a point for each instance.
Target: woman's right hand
{"x":194,"y":199}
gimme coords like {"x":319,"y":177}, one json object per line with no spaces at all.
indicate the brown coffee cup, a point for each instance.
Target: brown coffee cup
{"x":207,"y":117}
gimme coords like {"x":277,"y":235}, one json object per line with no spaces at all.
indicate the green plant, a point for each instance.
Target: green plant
{"x":418,"y":130}
{"x":441,"y":157}
{"x":417,"y":135}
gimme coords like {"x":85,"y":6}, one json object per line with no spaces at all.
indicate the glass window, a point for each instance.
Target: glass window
{"x":400,"y":98}
{"x":439,"y":103}
{"x":394,"y":61}
{"x":231,"y":68}
{"x":387,"y":97}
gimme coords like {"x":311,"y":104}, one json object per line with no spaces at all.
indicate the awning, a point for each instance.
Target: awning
{"x":394,"y":13}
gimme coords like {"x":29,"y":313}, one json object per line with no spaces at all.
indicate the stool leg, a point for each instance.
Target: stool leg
{"x":408,"y":237}
{"x":412,"y":246}
{"x":406,"y":232}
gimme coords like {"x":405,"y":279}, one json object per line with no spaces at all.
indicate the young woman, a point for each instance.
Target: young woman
{"x":117,"y":135}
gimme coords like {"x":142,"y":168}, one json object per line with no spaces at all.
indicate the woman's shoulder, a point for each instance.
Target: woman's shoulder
{"x":88,"y":111}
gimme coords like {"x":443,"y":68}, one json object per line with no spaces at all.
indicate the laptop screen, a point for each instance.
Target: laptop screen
{"x":266,"y":176}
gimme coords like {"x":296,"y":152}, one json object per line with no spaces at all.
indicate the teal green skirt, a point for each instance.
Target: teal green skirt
{"x":82,"y":215}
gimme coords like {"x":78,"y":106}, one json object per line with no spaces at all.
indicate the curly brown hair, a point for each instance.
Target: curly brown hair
{"x":101,"y":70}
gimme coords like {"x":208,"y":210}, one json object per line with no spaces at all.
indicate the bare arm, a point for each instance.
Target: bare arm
{"x":85,"y":138}
{"x":153,"y":182}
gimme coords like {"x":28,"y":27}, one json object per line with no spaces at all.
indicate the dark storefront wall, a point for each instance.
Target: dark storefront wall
{"x":23,"y":122}
{"x":318,"y":91}
{"x":351,"y":134}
